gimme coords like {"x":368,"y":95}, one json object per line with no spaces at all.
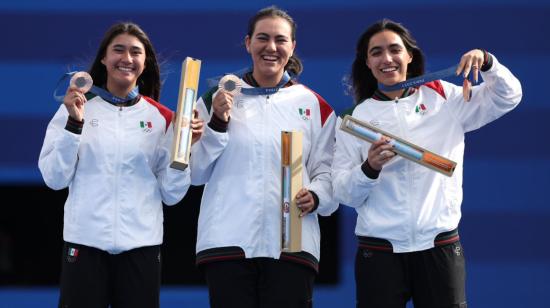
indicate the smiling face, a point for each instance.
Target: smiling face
{"x":387,"y":58}
{"x":124,"y":61}
{"x":270,"y":46}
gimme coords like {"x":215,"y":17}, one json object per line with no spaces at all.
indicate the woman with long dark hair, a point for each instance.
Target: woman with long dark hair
{"x":408,"y":215}
{"x":111,"y":148}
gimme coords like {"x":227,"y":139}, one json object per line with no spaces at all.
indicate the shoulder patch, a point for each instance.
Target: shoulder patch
{"x":437,"y":87}
{"x":325,"y":109}
{"x":164,"y":111}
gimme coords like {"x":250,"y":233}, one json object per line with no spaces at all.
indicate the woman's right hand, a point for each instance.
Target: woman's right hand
{"x":74,"y":101}
{"x":222,"y":104}
{"x":380,"y":153}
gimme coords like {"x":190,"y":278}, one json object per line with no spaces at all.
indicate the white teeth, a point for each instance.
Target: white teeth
{"x":125,"y":69}
{"x":389,"y":69}
{"x":269,"y":58}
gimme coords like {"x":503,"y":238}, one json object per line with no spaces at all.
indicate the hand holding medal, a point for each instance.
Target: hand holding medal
{"x":74,"y":100}
{"x":229,"y":86}
{"x":470,"y":62}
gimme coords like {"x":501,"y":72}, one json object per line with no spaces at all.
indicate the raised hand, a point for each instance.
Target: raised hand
{"x":74,"y":101}
{"x":222,"y":104}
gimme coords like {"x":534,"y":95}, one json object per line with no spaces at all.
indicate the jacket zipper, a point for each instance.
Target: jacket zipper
{"x":402,"y":121}
{"x":265,"y":150}
{"x":118,"y":161}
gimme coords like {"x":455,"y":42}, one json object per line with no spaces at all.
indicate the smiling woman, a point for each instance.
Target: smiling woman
{"x":271,"y":45}
{"x":124,"y":61}
{"x":117,"y":171}
{"x":126,"y":53}
{"x":388,"y":58}
{"x":408,"y":216}
{"x":239,"y":232}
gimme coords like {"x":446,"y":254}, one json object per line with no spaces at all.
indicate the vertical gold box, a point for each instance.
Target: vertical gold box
{"x":189,"y":84}
{"x":291,"y":170}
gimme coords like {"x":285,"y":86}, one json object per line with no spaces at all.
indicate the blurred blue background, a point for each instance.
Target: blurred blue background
{"x":507,"y":163}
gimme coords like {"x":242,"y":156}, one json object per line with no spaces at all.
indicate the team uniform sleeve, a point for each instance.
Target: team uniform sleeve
{"x":173,"y":183}
{"x":59,"y":153}
{"x":318,"y":166}
{"x":498,"y":94}
{"x":350,"y":184}
{"x":207,"y":149}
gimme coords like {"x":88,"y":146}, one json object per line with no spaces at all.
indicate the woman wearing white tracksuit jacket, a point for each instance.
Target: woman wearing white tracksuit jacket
{"x":111,"y":148}
{"x":408,"y":215}
{"x":239,"y":160}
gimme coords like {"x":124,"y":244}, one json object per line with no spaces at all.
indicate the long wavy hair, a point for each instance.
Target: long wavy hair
{"x":149,"y":80}
{"x":362,"y":80}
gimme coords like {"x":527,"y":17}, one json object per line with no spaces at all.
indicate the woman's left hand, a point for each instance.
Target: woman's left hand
{"x":305,"y":201}
{"x":197,"y":126}
{"x":471,"y":62}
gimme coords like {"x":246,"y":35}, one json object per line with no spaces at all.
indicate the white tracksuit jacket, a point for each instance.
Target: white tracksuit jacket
{"x":241,"y":203}
{"x":409,"y":204}
{"x":117,"y":172}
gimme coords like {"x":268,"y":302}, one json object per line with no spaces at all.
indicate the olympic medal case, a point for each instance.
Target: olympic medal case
{"x":291,"y":165}
{"x":189,"y":83}
{"x":401,"y":147}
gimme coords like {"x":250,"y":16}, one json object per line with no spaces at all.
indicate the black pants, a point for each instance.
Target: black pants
{"x":96,"y":279}
{"x":432,"y":278}
{"x":259,"y":283}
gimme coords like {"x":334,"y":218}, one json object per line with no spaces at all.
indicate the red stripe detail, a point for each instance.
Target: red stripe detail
{"x":437,"y":87}
{"x":164,"y":111}
{"x":324,"y":107}
{"x":208,"y":259}
{"x":299,"y":260}
{"x":376,"y":247}
{"x":449,"y":240}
